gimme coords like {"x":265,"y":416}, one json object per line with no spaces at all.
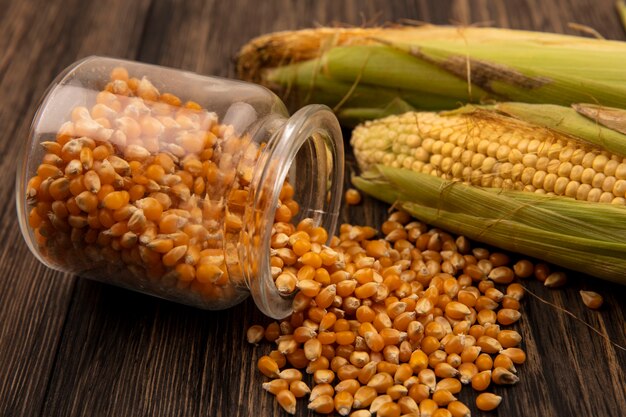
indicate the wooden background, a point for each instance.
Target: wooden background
{"x":71,"y":347}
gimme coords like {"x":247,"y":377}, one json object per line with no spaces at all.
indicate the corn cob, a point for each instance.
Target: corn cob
{"x":507,"y":182}
{"x":366,"y":73}
{"x":488,"y":149}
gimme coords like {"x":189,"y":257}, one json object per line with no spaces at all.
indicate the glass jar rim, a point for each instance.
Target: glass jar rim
{"x":312,"y":122}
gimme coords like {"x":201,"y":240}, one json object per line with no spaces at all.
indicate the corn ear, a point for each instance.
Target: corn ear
{"x":433,"y":67}
{"x":483,"y":147}
{"x":473,"y":171}
{"x":582,"y":236}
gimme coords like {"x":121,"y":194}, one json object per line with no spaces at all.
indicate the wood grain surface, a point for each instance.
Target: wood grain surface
{"x":72,"y":347}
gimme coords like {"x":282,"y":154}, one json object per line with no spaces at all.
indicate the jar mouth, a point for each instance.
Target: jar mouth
{"x":307,"y":151}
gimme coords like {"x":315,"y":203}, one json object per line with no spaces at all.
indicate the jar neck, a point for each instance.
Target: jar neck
{"x":307,"y":150}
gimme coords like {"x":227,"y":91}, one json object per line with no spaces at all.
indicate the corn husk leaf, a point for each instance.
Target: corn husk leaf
{"x":305,"y":83}
{"x":583,"y":236}
{"x":606,"y":116}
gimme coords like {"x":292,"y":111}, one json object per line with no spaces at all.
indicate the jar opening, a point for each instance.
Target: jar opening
{"x":307,"y":152}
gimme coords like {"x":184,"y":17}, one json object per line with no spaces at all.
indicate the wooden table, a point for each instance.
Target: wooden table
{"x":72,"y":347}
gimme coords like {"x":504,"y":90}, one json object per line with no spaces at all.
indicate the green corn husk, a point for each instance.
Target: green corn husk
{"x":582,"y":236}
{"x":429,"y":67}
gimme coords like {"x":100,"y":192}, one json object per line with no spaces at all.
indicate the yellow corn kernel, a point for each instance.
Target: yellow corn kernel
{"x":458,"y":409}
{"x":488,"y":401}
{"x":309,"y":287}
{"x":287,"y":401}
{"x":319,"y":363}
{"x":467,"y":370}
{"x":367,"y":372}
{"x":443,"y":397}
{"x":397,"y":391}
{"x":451,"y":385}
{"x":389,"y":409}
{"x":312,"y":349}
{"x":503,"y":361}
{"x":523,"y":268}
{"x":324,"y":404}
{"x":275,"y":386}
{"x":290,"y":375}
{"x":185,"y":272}
{"x":381,"y":382}
{"x":45,"y":171}
{"x":457,"y":310}
{"x":323,"y":376}
{"x":518,"y":356}
{"x":591,"y":299}
{"x":255,"y":334}
{"x":444,"y":370}
{"x":286,"y":283}
{"x":481,"y":380}
{"x":268,"y":366}
{"x":320,"y":390}
{"x":116,"y":200}
{"x":509,"y":338}
{"x":174,"y":255}
{"x":428,"y":407}
{"x":326,"y":297}
{"x":507,"y":316}
{"x":364,"y":396}
{"x":418,"y":392}
{"x":502,"y":376}
{"x":555,"y":280}
{"x":488,"y":344}
{"x":299,"y":388}
{"x":119,"y":73}
{"x":408,"y":406}
{"x":343,"y":402}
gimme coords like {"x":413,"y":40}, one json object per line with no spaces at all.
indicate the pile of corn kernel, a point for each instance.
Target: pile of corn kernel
{"x":392,"y":326}
{"x":147,"y":192}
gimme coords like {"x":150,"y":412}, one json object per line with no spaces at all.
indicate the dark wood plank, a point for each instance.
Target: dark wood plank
{"x":37,"y":40}
{"x":33,"y":300}
{"x":113,"y":352}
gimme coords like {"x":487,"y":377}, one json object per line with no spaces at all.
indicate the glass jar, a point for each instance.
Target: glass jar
{"x":171,"y":183}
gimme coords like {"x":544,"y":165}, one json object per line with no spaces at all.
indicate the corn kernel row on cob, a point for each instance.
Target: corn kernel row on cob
{"x":488,"y":151}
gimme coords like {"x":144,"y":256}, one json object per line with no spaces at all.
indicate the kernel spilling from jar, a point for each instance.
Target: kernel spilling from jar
{"x":148,"y":189}
{"x":392,"y":326}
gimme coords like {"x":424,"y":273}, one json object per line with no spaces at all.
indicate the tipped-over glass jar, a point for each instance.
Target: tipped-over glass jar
{"x":172,"y":183}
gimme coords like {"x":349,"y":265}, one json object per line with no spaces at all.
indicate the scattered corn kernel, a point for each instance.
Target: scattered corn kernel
{"x":488,"y":401}
{"x":591,"y":299}
{"x":352,"y":196}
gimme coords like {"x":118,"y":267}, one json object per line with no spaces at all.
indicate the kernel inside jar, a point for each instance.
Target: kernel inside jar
{"x":144,"y":190}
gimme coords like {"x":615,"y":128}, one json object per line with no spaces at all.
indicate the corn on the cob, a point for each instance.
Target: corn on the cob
{"x":486,"y":149}
{"x":429,"y":165}
{"x":370,"y":72}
